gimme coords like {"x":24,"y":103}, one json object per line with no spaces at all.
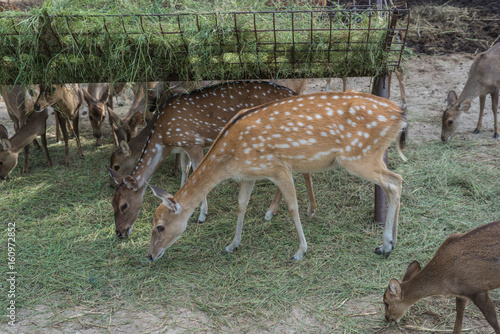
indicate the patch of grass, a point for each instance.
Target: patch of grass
{"x":67,"y":252}
{"x":134,"y":41}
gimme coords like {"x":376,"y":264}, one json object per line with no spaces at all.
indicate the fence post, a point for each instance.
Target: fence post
{"x":381,"y":87}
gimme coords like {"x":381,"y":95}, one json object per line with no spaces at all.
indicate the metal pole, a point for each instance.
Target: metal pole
{"x":381,"y":87}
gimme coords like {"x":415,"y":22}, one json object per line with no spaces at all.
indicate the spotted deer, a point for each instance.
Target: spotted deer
{"x":465,"y":266}
{"x":189,"y":123}
{"x":306,"y":134}
{"x":66,"y":100}
{"x":10,"y":148}
{"x":484,"y":79}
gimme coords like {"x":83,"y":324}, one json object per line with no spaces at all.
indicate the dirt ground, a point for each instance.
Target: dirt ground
{"x":429,"y":77}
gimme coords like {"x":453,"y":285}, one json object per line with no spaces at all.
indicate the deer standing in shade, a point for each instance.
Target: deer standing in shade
{"x":66,"y":100}
{"x":10,"y":148}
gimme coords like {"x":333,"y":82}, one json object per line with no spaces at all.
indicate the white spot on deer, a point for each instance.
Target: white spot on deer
{"x":329,"y":111}
{"x":276,"y":135}
{"x":348,"y":148}
{"x":340,"y":111}
{"x":318,"y":116}
{"x":384,"y":132}
{"x":381,"y":118}
{"x":246,"y":151}
{"x":352,"y":110}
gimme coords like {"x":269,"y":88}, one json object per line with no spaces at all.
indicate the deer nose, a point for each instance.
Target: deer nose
{"x":121,"y":235}
{"x":150,"y":257}
{"x":36,"y":107}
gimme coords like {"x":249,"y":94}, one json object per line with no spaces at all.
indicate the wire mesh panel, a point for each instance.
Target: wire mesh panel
{"x":322,"y":42}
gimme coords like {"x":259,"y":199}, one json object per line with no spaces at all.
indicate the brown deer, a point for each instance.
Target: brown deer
{"x":465,"y":266}
{"x":66,"y":100}
{"x":305,"y":133}
{"x":484,"y":79}
{"x":10,"y":148}
{"x":146,"y":100}
{"x":189,"y":123}
{"x":96,"y":95}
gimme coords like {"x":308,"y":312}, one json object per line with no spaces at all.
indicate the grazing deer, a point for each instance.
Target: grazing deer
{"x":147,"y":97}
{"x":305,"y":133}
{"x":96,"y":95}
{"x":465,"y":266}
{"x":19,"y":102}
{"x":484,"y":79}
{"x":66,"y":100}
{"x":189,"y":123}
{"x":10,"y":148}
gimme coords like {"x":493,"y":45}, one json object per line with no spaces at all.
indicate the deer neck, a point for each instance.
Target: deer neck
{"x":425,"y":284}
{"x":472,"y":89}
{"x":205,"y":177}
{"x":153,"y":154}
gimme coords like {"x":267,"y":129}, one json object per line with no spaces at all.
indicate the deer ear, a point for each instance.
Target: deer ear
{"x":136,"y":120}
{"x":464,"y":106}
{"x":87,"y":96}
{"x":125,"y":148}
{"x":412,"y":270}
{"x":6,"y":145}
{"x":452,"y":97}
{"x":166,"y":198}
{"x":130,"y":182}
{"x":395,"y":289}
{"x":115,"y":175}
{"x":114,"y":119}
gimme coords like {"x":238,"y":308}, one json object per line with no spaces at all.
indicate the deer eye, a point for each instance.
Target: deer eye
{"x":160,"y":228}
{"x":116,"y":167}
{"x":123,"y":207}
{"x":450,"y":122}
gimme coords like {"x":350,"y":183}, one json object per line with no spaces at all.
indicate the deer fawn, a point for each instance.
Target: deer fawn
{"x":484,"y":79}
{"x":96,"y":95}
{"x":305,"y":133}
{"x":466,"y":266}
{"x":10,"y":148}
{"x":66,"y":100}
{"x":189,"y":123}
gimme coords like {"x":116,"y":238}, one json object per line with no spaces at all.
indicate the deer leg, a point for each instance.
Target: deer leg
{"x":494,"y":106}
{"x":185,"y":165}
{"x":391,"y":183}
{"x":273,"y":208}
{"x":311,"y":209}
{"x":246,"y":188}
{"x":195,"y":154}
{"x":284,"y":181}
{"x":76,"y":132}
{"x":58,"y":129}
{"x":26,"y":154}
{"x":482,"y":102}
{"x":460,"y":307}
{"x":64,"y":130}
{"x":43,"y":137}
{"x":487,"y":307}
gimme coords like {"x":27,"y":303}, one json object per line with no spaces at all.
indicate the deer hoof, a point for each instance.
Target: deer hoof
{"x":476,"y":131}
{"x":380,"y":251}
{"x":496,"y":136}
